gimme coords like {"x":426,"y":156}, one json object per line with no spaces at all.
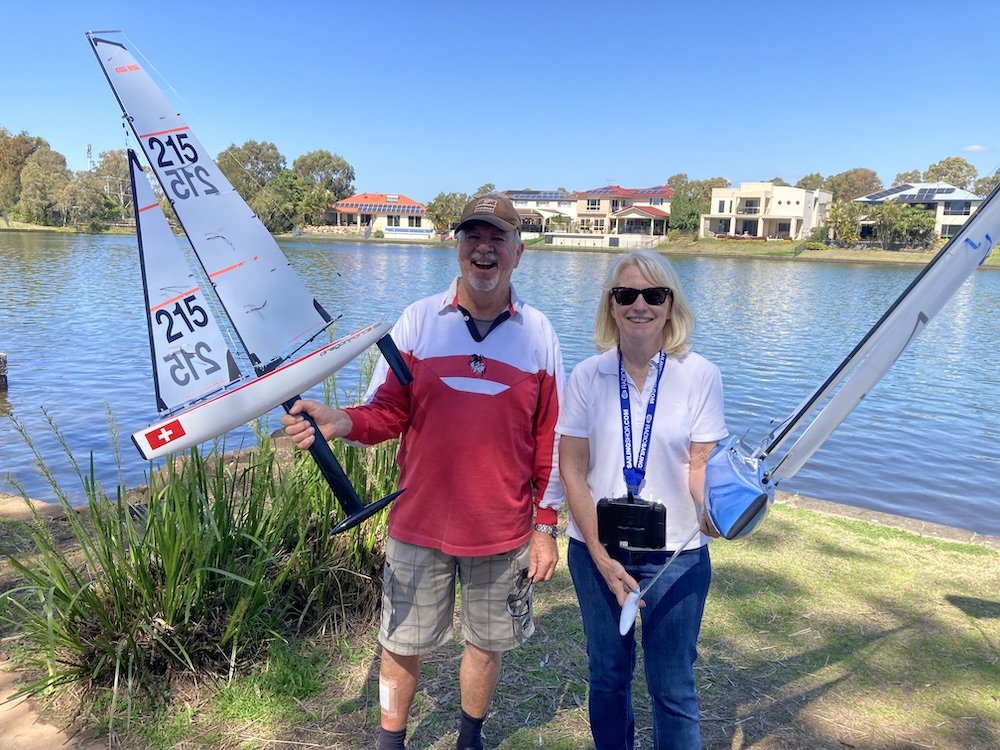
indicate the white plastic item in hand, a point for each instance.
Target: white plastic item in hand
{"x":630,"y":609}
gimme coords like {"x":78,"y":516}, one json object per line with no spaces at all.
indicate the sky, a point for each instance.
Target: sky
{"x":424,"y":98}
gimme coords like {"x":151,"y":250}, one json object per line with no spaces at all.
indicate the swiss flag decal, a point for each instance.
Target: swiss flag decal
{"x":165,"y":433}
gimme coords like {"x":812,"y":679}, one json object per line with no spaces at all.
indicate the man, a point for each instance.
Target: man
{"x":477,"y":457}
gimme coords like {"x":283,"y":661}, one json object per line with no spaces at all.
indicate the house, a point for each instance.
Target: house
{"x":543,"y":210}
{"x":617,"y":210}
{"x":395,"y":215}
{"x":765,"y":210}
{"x":952,"y":206}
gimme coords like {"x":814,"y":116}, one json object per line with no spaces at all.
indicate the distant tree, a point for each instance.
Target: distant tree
{"x":43,"y":180}
{"x":14,"y":152}
{"x":86,"y":203}
{"x":778,"y":181}
{"x":812,"y":181}
{"x":315,"y":202}
{"x":907,"y":178}
{"x":854,"y":183}
{"x":916,"y":226}
{"x":251,"y":166}
{"x":677,"y":181}
{"x":113,"y":174}
{"x":488,"y":189}
{"x":276,"y":204}
{"x":328,"y":171}
{"x":445,"y":210}
{"x":954,"y":170}
{"x":701,"y":190}
{"x":690,"y":200}
{"x":843,"y":220}
{"x":984,"y":185}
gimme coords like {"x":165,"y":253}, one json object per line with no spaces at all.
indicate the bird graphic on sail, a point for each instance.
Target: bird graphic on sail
{"x":199,"y":388}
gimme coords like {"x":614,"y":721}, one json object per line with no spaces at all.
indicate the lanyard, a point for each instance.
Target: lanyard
{"x":634,"y":473}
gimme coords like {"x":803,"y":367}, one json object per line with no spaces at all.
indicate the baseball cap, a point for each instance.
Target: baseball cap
{"x":493,"y":209}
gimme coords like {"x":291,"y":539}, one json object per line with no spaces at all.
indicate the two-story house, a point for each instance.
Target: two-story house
{"x":617,"y":210}
{"x":952,"y":206}
{"x":544,"y":210}
{"x":765,"y":210}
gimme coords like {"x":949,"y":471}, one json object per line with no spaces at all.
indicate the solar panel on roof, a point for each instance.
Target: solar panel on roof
{"x":886,"y":193}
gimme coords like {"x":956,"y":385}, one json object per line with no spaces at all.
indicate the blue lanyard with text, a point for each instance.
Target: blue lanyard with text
{"x":634,"y":472}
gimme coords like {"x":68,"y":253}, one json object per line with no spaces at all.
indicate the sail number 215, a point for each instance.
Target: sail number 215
{"x":177,"y":159}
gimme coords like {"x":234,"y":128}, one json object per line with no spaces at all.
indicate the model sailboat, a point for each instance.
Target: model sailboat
{"x":200,"y":391}
{"x":740,"y":479}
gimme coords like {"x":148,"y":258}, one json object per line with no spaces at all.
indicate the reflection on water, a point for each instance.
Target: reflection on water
{"x":923,"y":444}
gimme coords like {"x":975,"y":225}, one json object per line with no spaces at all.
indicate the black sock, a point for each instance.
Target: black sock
{"x":391,"y":740}
{"x":470,"y":735}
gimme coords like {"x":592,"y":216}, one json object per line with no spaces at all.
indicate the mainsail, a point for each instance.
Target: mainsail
{"x":269,"y":305}
{"x":199,"y":389}
{"x":740,"y":480}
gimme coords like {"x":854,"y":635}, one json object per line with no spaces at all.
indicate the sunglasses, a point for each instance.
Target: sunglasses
{"x":654,"y":295}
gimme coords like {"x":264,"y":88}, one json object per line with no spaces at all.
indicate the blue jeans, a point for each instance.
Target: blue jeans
{"x":671,"y":621}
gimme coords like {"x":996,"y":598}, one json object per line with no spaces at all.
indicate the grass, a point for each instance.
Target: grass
{"x":820,"y":632}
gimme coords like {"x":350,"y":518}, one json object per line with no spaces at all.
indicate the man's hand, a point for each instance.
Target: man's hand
{"x":331,"y":422}
{"x":544,"y":556}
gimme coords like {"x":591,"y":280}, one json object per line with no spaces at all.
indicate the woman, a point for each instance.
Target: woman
{"x":675,"y":402}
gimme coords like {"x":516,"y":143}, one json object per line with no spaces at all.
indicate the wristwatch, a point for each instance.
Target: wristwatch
{"x":547,"y":528}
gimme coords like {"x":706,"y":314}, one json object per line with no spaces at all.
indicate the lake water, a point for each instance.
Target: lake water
{"x":923,"y":444}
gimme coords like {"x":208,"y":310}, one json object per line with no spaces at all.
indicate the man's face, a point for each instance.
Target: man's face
{"x":487,"y":256}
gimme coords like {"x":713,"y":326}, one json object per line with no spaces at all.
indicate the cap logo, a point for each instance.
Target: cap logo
{"x":486,"y":206}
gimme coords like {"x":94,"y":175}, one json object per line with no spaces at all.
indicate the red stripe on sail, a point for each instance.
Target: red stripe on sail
{"x":164,"y":132}
{"x":182,"y":295}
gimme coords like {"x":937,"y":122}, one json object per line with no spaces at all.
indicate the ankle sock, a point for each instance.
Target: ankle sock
{"x":470,"y":734}
{"x":391,"y":740}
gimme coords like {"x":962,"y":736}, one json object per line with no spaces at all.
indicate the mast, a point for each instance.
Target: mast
{"x":868,"y":362}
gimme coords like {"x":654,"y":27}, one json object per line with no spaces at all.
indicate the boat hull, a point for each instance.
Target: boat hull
{"x":247,"y":400}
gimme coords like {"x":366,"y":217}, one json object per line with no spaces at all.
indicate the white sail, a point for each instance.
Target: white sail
{"x":885,"y":342}
{"x":269,"y":306}
{"x":190,"y":356}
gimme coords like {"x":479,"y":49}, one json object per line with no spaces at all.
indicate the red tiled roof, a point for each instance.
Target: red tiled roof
{"x":651,"y":210}
{"x":616,"y":191}
{"x":378,"y":198}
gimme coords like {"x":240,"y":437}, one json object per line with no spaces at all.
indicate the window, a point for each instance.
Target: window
{"x":599,"y":225}
{"x":593,"y":204}
{"x":722,"y":207}
{"x":950,"y":230}
{"x":957,"y":208}
{"x":414,"y":221}
{"x":656,"y":201}
{"x":392,"y":221}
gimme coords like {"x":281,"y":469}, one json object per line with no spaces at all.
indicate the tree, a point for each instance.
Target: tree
{"x":812,"y":181}
{"x":113,"y":175}
{"x":445,"y":210}
{"x":907,"y":178}
{"x":251,"y":166}
{"x":14,"y":152}
{"x":916,"y":226}
{"x":331,"y":172}
{"x":488,"y":189}
{"x":277,"y":203}
{"x":852,"y":184}
{"x":690,"y":200}
{"x":43,"y":180}
{"x":86,"y":203}
{"x":701,"y":190}
{"x":984,"y":185}
{"x":778,"y":181}
{"x":954,"y":170}
{"x":843,"y":220}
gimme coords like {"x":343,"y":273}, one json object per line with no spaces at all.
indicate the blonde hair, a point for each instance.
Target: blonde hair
{"x":677,"y":331}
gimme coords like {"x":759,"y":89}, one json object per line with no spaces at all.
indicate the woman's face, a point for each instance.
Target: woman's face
{"x":640,"y":322}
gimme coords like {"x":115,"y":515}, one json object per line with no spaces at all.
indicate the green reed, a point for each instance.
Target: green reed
{"x":227,"y":553}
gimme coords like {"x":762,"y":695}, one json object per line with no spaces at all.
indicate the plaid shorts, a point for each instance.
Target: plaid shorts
{"x":418,"y":599}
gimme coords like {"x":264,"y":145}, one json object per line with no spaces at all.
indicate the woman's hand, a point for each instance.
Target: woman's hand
{"x":331,"y":422}
{"x":616,"y":577}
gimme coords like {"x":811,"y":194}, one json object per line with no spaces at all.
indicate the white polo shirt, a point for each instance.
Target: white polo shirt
{"x":689,"y":408}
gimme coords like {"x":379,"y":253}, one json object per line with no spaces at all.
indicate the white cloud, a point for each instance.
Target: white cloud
{"x":975,"y":148}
